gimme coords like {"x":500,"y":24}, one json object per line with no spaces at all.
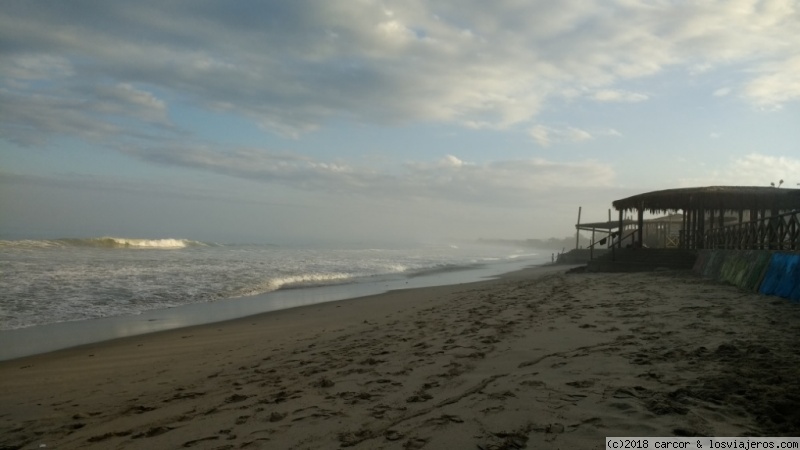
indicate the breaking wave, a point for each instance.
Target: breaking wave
{"x":297,"y":281}
{"x":104,"y":242}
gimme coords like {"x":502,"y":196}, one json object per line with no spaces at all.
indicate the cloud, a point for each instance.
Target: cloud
{"x":102,"y":113}
{"x":450,"y":178}
{"x":722,"y":92}
{"x":506,"y":180}
{"x":286,"y":169}
{"x":610,"y":132}
{"x":546,"y":136}
{"x":86,"y":184}
{"x":541,"y":134}
{"x":776,"y":84}
{"x":754,"y":169}
{"x":292,"y":67}
{"x":29,"y":67}
{"x":125,"y":99}
{"x":609,"y":95}
{"x":451,"y":161}
{"x":34,"y":119}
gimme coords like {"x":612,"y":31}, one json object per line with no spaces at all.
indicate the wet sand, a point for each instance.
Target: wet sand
{"x":536,"y":359}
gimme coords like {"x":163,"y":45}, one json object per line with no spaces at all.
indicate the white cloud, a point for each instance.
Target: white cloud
{"x":776,"y":84}
{"x":609,"y":95}
{"x":758,"y":169}
{"x":450,"y":178}
{"x":577,"y":135}
{"x":395,"y":32}
{"x":125,"y":99}
{"x":754,"y":169}
{"x":452,"y":161}
{"x":541,"y":134}
{"x":502,"y":182}
{"x":546,"y":135}
{"x":722,"y":92}
{"x":292,"y":67}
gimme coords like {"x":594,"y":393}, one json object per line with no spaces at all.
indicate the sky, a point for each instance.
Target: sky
{"x":276,"y":121}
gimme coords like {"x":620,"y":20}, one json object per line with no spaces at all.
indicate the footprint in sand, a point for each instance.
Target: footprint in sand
{"x":419,"y":397}
{"x":152,"y":432}
{"x":581,"y":384}
{"x":444,"y":419}
{"x":197,"y":441}
{"x":103,"y":437}
{"x":415,"y":443}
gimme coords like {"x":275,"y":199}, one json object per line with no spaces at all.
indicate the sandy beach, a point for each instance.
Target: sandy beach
{"x":536,"y":359}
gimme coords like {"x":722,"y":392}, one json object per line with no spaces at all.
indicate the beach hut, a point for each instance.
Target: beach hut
{"x":734,"y":217}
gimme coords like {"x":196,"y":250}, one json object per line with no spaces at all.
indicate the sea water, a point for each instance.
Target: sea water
{"x":50,"y":281}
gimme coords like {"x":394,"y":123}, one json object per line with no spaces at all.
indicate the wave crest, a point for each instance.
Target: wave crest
{"x":104,"y":242}
{"x":297,"y":281}
{"x":142,"y":243}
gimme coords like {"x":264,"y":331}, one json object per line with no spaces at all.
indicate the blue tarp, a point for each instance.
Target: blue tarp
{"x":783,"y":276}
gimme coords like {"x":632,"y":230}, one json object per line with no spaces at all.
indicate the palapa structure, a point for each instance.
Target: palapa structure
{"x":662,"y":232}
{"x":723,"y":216}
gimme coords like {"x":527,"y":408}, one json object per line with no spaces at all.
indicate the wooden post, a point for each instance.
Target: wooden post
{"x":683,"y":229}
{"x":640,"y":224}
{"x":701,"y":228}
{"x":772,"y":230}
{"x":711,"y":224}
{"x":723,"y":236}
{"x":619,"y":239}
{"x":577,"y":228}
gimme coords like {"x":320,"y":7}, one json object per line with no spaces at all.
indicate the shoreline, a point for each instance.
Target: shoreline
{"x":536,"y":358}
{"x":21,"y":342}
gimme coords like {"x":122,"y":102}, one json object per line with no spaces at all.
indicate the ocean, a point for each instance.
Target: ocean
{"x":65,"y":280}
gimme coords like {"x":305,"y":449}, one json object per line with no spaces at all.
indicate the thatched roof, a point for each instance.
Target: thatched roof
{"x":729,"y":198}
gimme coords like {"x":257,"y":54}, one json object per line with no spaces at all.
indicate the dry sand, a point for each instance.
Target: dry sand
{"x":537,"y":359}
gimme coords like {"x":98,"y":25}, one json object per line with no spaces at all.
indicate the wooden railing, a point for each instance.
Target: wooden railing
{"x":780,"y":232}
{"x":613,"y":241}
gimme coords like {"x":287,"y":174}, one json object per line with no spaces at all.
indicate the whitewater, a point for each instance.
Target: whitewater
{"x":60,"y":280}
